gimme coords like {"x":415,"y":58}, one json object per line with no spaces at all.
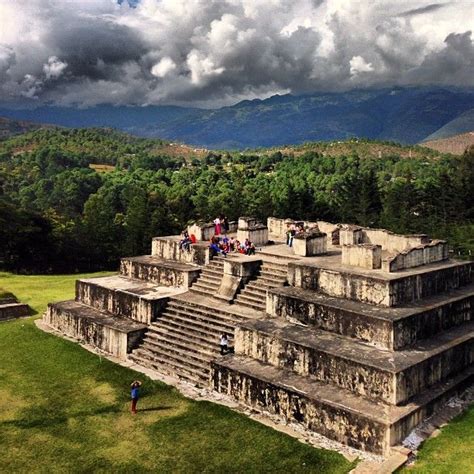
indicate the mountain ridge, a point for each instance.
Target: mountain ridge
{"x":405,"y":115}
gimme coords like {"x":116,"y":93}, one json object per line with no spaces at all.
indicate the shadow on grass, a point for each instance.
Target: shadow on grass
{"x":154,"y":408}
{"x":25,"y":423}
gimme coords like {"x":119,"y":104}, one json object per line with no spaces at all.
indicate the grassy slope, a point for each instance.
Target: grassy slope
{"x":450,"y":452}
{"x":65,"y":409}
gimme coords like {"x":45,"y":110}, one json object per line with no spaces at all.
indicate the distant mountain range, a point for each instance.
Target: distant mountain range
{"x":405,"y":115}
{"x":10,"y":127}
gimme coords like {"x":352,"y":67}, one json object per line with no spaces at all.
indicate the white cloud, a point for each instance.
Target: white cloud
{"x":164,"y":67}
{"x":359,"y":65}
{"x":216,"y":51}
{"x":54,"y":68}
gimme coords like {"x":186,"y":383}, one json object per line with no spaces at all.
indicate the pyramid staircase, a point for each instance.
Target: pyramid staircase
{"x":272,"y":274}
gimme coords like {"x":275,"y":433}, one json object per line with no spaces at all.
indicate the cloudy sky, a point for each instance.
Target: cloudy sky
{"x":215,"y":52}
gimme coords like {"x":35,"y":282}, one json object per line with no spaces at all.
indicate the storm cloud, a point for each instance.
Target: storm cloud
{"x":217,"y":52}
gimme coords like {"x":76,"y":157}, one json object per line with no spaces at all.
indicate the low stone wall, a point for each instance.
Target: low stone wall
{"x":119,"y":302}
{"x":319,"y":311}
{"x":362,"y":255}
{"x":309,"y":244}
{"x":394,"y":382}
{"x":271,"y":348}
{"x":111,"y":335}
{"x":390,"y":241}
{"x":334,"y":422}
{"x":377,"y":289}
{"x":202,"y":231}
{"x":399,"y":328}
{"x":331,"y":230}
{"x":162,"y":273}
{"x":167,"y":248}
{"x":278,"y":227}
{"x":257,"y":234}
{"x":350,"y":235}
{"x":13,"y":310}
{"x":432,"y":252}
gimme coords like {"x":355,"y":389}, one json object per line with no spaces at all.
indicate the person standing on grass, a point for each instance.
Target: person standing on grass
{"x":135,"y":393}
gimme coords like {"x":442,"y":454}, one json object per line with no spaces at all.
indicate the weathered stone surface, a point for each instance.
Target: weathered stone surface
{"x":13,"y":310}
{"x":257,"y":234}
{"x":390,"y":241}
{"x":390,"y":328}
{"x":115,"y":335}
{"x":376,"y":287}
{"x":278,"y":228}
{"x":424,"y":254}
{"x":244,"y":268}
{"x":158,"y":271}
{"x":308,"y":244}
{"x":229,"y":287}
{"x":329,"y":410}
{"x":246,"y":223}
{"x":392,"y":377}
{"x":167,"y":248}
{"x":350,"y":235}
{"x":139,"y":301}
{"x":202,"y":231}
{"x":362,"y":255}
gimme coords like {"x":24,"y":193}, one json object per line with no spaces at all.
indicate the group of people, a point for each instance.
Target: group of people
{"x":225,"y":245}
{"x":186,"y":241}
{"x":292,"y":230}
{"x":221,"y":225}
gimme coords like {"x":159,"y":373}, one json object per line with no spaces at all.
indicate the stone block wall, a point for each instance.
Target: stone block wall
{"x":257,"y":234}
{"x":309,"y":244}
{"x":432,"y":252}
{"x":362,"y":255}
{"x":119,"y":302}
{"x":93,"y":332}
{"x":390,"y":241}
{"x":350,"y":235}
{"x":167,"y":248}
{"x":164,"y":274}
{"x":202,"y":231}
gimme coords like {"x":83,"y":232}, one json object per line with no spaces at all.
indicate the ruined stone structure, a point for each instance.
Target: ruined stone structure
{"x":10,"y":308}
{"x":356,"y":333}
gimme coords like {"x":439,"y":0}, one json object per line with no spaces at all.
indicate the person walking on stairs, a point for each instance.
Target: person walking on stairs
{"x":135,"y":394}
{"x":224,"y":344}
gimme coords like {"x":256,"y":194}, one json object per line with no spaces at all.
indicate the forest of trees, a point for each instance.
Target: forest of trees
{"x":59,"y":215}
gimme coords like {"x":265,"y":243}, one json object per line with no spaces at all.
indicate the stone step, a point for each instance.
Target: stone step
{"x":201,"y":291}
{"x":210,"y":277}
{"x":212,"y":272}
{"x":177,"y":357}
{"x":180,"y":316}
{"x":392,"y":377}
{"x":204,"y":285}
{"x":270,"y":281}
{"x":387,"y":327}
{"x":168,"y":332}
{"x":325,"y":408}
{"x":204,"y":314}
{"x":247,"y":295}
{"x":281,"y":270}
{"x":255,"y":293}
{"x":192,"y":330}
{"x":180,"y":349}
{"x":146,"y":359}
{"x":246,"y":304}
{"x":207,"y":306}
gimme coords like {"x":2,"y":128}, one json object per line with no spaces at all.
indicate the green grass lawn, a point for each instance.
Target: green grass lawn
{"x":64,"y":409}
{"x":451,"y":452}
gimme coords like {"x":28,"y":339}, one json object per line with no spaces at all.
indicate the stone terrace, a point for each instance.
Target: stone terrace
{"x":356,"y":333}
